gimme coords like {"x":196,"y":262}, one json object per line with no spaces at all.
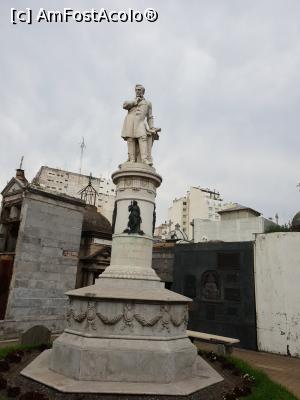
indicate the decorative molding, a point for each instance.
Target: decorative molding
{"x":130,"y":273}
{"x":128,"y":316}
{"x":91,"y":315}
{"x":142,"y":321}
{"x":165,"y":317}
{"x":183,"y":320}
{"x":136,"y":184}
{"x":109,"y":321}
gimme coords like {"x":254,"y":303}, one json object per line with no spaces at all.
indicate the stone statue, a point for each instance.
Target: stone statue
{"x":134,"y":220}
{"x":136,"y":132}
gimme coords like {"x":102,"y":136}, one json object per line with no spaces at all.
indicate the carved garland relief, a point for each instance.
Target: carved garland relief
{"x":128,"y":317}
{"x":136,"y":184}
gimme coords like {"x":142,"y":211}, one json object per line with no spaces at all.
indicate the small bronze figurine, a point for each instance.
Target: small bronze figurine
{"x":134,"y":220}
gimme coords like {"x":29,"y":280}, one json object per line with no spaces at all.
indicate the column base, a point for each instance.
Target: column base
{"x":203,"y":375}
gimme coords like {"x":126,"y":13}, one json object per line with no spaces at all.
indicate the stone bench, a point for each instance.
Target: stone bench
{"x":225,"y":344}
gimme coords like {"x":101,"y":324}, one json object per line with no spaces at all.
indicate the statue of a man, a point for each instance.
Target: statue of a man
{"x":136,"y":132}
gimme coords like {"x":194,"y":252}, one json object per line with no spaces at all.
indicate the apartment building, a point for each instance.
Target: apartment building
{"x":197,"y":203}
{"x":71,"y":183}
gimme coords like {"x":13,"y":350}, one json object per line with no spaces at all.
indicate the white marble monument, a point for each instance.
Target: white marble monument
{"x":127,"y":333}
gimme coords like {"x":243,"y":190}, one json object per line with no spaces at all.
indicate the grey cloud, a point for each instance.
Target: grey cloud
{"x":222,"y":76}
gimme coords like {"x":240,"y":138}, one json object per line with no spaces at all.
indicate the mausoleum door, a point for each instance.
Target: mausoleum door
{"x":6,"y":267}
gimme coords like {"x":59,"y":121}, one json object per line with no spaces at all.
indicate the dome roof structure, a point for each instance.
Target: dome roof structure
{"x":95,"y":224}
{"x":177,"y":235}
{"x":296,"y":223}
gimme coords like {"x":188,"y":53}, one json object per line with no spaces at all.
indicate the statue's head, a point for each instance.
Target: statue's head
{"x":139,"y":90}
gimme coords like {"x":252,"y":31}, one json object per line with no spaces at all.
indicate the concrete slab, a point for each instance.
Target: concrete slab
{"x":39,"y":371}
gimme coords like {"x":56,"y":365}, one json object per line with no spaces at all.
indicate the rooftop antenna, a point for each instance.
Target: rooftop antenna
{"x":21,"y":163}
{"x":82,"y":147}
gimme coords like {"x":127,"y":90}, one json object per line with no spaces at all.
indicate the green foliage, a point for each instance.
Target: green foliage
{"x":5,"y":350}
{"x":278,"y":228}
{"x":264,"y":388}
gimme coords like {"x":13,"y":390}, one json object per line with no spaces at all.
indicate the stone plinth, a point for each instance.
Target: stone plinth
{"x":131,"y":256}
{"x":126,"y":333}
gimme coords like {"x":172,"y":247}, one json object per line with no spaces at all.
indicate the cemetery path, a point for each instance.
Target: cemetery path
{"x":281,"y":369}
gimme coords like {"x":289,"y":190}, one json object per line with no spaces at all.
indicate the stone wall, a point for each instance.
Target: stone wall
{"x":277,"y":277}
{"x":45,"y":262}
{"x":163,"y":262}
{"x":231,"y":230}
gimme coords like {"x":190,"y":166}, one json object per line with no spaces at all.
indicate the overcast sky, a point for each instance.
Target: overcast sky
{"x":223,"y":78}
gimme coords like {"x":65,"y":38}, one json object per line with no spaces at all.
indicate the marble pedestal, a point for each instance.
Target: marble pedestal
{"x":126,"y":333}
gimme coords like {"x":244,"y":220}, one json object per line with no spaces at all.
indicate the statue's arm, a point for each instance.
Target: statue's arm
{"x":150,"y":116}
{"x":127,"y":105}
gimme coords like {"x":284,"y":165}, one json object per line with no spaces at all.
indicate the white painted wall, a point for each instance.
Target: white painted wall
{"x":230,"y":230}
{"x":277,"y":281}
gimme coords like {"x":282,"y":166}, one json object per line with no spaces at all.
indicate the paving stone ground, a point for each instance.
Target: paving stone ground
{"x":281,"y":369}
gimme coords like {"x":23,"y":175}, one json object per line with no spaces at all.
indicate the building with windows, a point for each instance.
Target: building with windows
{"x":197,"y":203}
{"x":71,"y":183}
{"x":162,"y":231}
{"x":237,"y":224}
